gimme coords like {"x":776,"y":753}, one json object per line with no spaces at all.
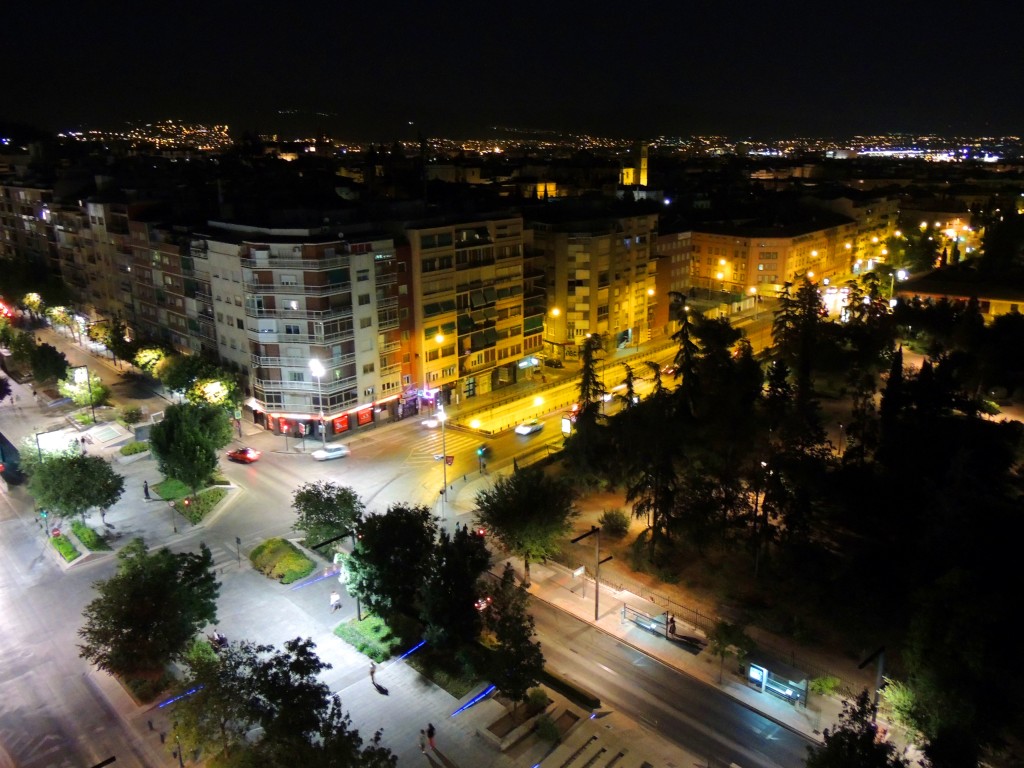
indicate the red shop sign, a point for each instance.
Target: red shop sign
{"x":364,"y":416}
{"x":341,"y":423}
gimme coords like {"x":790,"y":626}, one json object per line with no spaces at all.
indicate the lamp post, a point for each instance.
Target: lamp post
{"x":595,"y":531}
{"x":753,"y":292}
{"x":554,"y":313}
{"x":88,"y":381}
{"x":317,"y":369}
{"x":443,"y":417}
{"x":900,"y":274}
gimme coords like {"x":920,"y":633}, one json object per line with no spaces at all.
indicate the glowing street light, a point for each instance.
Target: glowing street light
{"x":317,"y":369}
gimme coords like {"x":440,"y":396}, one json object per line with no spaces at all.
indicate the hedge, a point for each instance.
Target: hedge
{"x":130,"y":449}
{"x":280,"y":559}
{"x":89,"y":538}
{"x":63,"y":545}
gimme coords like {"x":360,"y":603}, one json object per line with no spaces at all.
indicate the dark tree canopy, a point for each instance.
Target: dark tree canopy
{"x":186,"y":442}
{"x":69,"y":485}
{"x":528,"y":512}
{"x":147,"y":613}
{"x":326,"y":510}
{"x":853,"y":742}
{"x":449,"y":593}
{"x":391,"y":559}
{"x":518,"y":661}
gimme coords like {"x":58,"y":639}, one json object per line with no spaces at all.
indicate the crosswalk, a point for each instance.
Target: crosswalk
{"x":423,"y":450}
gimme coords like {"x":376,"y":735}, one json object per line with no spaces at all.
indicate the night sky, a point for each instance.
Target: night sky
{"x":365,"y":70}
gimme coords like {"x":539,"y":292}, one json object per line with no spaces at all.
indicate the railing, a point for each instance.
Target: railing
{"x":260,"y":361}
{"x":272,"y":262}
{"x":307,"y":290}
{"x":387,"y":303}
{"x":329,"y":386}
{"x":389,"y":278}
{"x":391,"y":346}
{"x":387,"y":325}
{"x":277,"y":337}
{"x":300,"y":314}
{"x":391,"y":370}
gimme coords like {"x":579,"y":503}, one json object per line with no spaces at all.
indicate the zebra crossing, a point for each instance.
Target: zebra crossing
{"x":423,"y":450}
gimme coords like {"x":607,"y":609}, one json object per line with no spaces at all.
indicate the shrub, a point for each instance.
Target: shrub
{"x":83,"y":417}
{"x":147,"y":689}
{"x":202,"y":505}
{"x":547,"y":729}
{"x":89,"y":538}
{"x":130,"y":449}
{"x":280,"y":559}
{"x":825,"y":686}
{"x":614,"y":522}
{"x":131,"y":415}
{"x":371,"y":637}
{"x":63,"y":545}
{"x":536,"y":701}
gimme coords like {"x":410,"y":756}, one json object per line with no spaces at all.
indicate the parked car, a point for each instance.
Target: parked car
{"x":553,"y":362}
{"x":529,"y":427}
{"x":331,"y":452}
{"x":244,"y":455}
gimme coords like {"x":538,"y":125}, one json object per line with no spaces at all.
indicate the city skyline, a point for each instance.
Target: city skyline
{"x":391,"y":72}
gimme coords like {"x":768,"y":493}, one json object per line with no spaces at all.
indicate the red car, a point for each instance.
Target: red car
{"x":244,"y":455}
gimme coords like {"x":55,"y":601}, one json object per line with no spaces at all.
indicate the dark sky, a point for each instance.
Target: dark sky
{"x":454,"y":68}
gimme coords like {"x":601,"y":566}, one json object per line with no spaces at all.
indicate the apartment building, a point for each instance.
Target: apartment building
{"x":876,"y":215}
{"x":312,"y":317}
{"x":735,"y":260}
{"x":468,"y":328}
{"x":600,"y":277}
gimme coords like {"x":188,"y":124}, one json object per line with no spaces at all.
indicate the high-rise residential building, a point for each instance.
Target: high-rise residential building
{"x":312,"y":317}
{"x":468,"y":328}
{"x":599,"y":278}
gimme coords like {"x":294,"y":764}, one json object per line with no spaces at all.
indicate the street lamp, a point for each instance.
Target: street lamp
{"x":317,"y":369}
{"x":753,"y":293}
{"x":88,"y":381}
{"x":595,"y":530}
{"x":443,"y":417}
{"x":900,"y":274}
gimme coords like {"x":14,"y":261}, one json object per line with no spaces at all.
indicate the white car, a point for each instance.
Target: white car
{"x":529,"y":427}
{"x":431,"y":423}
{"x":331,"y":452}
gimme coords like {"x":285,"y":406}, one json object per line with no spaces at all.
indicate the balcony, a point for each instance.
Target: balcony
{"x":300,"y":314}
{"x":306,"y":290}
{"x":259,"y":361}
{"x":311,"y":265}
{"x":330,"y":386}
{"x":391,"y":370}
{"x":388,"y":324}
{"x":391,"y":346}
{"x":275,"y":337}
{"x":387,"y":303}
{"x":388,"y":278}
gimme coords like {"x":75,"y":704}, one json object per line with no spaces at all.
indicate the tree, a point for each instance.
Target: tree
{"x":48,"y":363}
{"x":724,"y":638}
{"x":186,"y":442}
{"x":69,"y":485}
{"x":89,"y":391}
{"x":147,"y":613}
{"x":853,"y":742}
{"x":326,"y":510}
{"x":518,"y":661}
{"x":5,"y":388}
{"x":180,"y":372}
{"x":528,"y":512}
{"x":249,"y":686}
{"x":391,"y":558}
{"x":449,"y":592}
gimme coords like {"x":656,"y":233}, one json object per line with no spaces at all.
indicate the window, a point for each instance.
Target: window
{"x":362,"y":275}
{"x":364,"y":299}
{"x":240,"y":324}
{"x":238,"y":301}
{"x":296,"y":376}
{"x":368,"y":368}
{"x":365,"y":322}
{"x":291,"y":330}
{"x":220,"y":317}
{"x":288,"y":280}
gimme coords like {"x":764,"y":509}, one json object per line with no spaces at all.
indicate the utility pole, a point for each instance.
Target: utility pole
{"x":595,"y":531}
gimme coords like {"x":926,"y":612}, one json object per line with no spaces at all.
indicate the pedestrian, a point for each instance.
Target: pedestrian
{"x":430,"y":735}
{"x":671,"y":624}
{"x":423,"y":740}
{"x":373,"y":672}
{"x":145,"y":489}
{"x":335,"y":601}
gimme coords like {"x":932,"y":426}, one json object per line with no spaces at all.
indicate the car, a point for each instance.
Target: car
{"x":331,"y":452}
{"x":244,"y":455}
{"x":432,"y":423}
{"x":553,"y":362}
{"x":529,"y":427}
{"x":668,"y":370}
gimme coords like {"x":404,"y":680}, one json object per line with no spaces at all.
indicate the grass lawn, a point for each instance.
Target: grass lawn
{"x":171,"y":490}
{"x":374,"y":638}
{"x":280,"y":559}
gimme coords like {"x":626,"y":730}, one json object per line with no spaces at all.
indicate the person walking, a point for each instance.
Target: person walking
{"x":430,"y":736}
{"x":335,"y":601}
{"x":373,"y":672}
{"x":671,"y":624}
{"x":423,"y":741}
{"x":145,"y":489}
